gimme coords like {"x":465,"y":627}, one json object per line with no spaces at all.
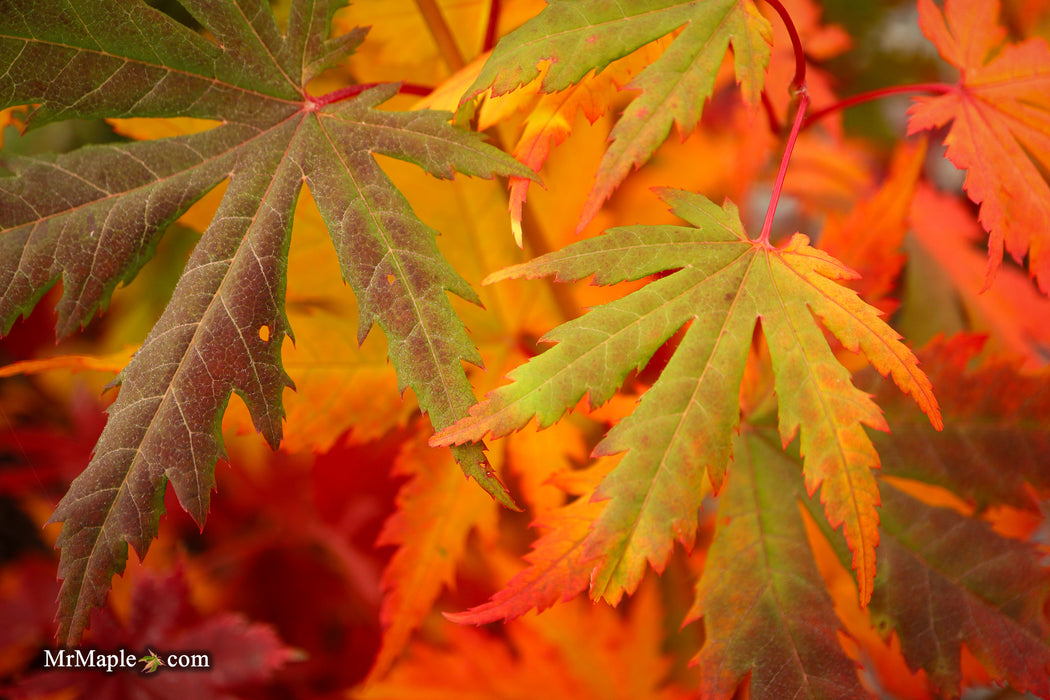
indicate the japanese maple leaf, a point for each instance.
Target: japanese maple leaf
{"x":559,"y":565}
{"x":578,"y":36}
{"x":1013,"y":311}
{"x":951,"y":580}
{"x":437,"y":511}
{"x":722,"y":285}
{"x":1000,"y":121}
{"x":995,"y":415}
{"x":948,"y":580}
{"x":766,"y":611}
{"x":92,"y":218}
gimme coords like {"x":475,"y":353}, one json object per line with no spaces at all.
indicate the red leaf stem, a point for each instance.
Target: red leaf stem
{"x":799,"y":81}
{"x":492,"y":26}
{"x":937,"y":88}
{"x":767,"y":225}
{"x":349,"y":91}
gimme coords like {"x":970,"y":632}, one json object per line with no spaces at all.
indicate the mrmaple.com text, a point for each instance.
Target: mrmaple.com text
{"x":110,"y":661}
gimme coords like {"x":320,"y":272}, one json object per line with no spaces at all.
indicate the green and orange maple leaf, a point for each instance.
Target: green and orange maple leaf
{"x":945,"y":579}
{"x":720,"y":286}
{"x":92,"y":218}
{"x":575,"y":37}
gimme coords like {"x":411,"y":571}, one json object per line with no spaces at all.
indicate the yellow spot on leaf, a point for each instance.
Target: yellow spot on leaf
{"x":264,"y":333}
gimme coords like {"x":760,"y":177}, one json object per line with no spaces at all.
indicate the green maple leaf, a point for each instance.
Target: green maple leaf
{"x":678,"y":440}
{"x":91,"y":219}
{"x":765,"y":609}
{"x":152,"y":662}
{"x":578,"y":36}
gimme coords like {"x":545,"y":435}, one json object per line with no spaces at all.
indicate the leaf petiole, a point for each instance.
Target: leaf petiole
{"x":799,"y":81}
{"x":491,"y":26}
{"x":442,"y":34}
{"x":349,"y":91}
{"x":800,"y":114}
{"x":861,"y":98}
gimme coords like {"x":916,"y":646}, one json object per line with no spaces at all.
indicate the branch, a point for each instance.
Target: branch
{"x":442,"y":34}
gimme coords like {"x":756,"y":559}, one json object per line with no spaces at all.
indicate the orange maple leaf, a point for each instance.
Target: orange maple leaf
{"x":436,"y":513}
{"x":1000,"y":133}
{"x":1013,"y":312}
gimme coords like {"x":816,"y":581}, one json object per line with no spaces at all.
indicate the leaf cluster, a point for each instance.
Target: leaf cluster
{"x":855,"y":516}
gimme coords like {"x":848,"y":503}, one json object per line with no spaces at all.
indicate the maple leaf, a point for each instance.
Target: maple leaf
{"x":550,"y":121}
{"x":1000,"y":114}
{"x":151,"y":662}
{"x":436,"y":513}
{"x":92,"y":218}
{"x":723,"y":284}
{"x":947,"y":580}
{"x":869,"y":239}
{"x":559,"y":567}
{"x":765,"y":609}
{"x":950,"y":580}
{"x":1013,"y":311}
{"x":995,"y":416}
{"x":578,"y":36}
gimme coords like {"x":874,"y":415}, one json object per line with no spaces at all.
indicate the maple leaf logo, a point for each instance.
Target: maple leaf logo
{"x":152,"y":662}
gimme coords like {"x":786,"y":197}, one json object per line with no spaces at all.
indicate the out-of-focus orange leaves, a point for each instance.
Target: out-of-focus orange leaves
{"x":551,"y":119}
{"x":575,"y":651}
{"x":12,"y":116}
{"x":436,"y":513}
{"x":537,"y":456}
{"x":830,"y":175}
{"x":383,"y":57}
{"x":869,"y":239}
{"x":112,"y":363}
{"x":1011,"y":311}
{"x":820,"y":42}
{"x":1000,"y":114}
